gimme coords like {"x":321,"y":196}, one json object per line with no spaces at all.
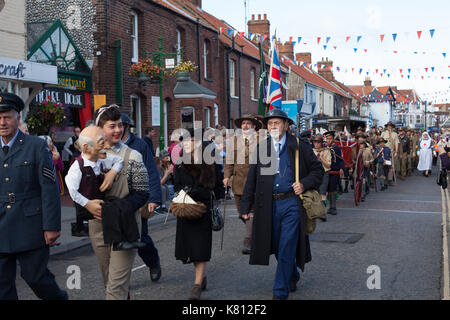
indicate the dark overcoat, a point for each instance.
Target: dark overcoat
{"x":258,"y":194}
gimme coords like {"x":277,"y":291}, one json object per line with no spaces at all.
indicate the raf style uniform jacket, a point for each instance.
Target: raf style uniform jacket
{"x":33,"y":206}
{"x":258,"y":193}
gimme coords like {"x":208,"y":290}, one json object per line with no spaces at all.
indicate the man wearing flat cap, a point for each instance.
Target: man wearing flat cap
{"x":271,"y":189}
{"x":30,"y":208}
{"x":237,"y":164}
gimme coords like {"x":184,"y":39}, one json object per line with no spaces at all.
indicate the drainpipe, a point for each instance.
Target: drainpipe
{"x":240,"y":88}
{"x":227,"y":63}
{"x":198,"y":52}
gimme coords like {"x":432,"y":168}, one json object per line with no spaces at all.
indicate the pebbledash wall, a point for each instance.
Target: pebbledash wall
{"x":78,"y":16}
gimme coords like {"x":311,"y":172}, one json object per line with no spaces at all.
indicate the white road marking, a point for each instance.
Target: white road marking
{"x":445,"y":211}
{"x":390,"y":210}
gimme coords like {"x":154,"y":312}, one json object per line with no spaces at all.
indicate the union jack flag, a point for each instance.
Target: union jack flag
{"x":274,"y":90}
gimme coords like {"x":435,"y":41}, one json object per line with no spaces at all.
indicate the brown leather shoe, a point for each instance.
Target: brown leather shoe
{"x":196,"y":292}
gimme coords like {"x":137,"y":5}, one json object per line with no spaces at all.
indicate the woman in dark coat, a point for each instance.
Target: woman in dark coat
{"x":194,"y":236}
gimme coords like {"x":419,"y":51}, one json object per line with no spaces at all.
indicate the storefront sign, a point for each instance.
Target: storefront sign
{"x":69,"y":98}
{"x":74,"y":82}
{"x":419,"y":125}
{"x":27,"y":71}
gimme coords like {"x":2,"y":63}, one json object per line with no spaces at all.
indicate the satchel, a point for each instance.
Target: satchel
{"x":217,"y":220}
{"x":145,"y":214}
{"x":311,"y":200}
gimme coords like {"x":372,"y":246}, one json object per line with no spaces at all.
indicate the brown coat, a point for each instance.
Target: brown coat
{"x":237,"y":164}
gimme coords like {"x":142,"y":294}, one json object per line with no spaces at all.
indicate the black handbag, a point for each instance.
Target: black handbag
{"x":217,"y":221}
{"x":442,"y":179}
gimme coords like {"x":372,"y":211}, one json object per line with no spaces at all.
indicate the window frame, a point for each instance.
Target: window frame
{"x":134,"y":36}
{"x":233,"y":78}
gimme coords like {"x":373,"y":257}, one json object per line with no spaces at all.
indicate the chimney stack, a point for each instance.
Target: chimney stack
{"x":325,"y":69}
{"x":367,"y":82}
{"x":286,"y":49}
{"x":303,"y":56}
{"x":262,"y":27}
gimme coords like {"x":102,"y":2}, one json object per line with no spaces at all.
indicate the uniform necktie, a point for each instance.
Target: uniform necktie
{"x":279,"y":148}
{"x":5,"y":150}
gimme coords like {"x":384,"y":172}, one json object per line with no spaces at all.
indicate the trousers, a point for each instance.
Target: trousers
{"x":33,"y":269}
{"x":285,"y":233}
{"x":115,"y":266}
{"x":149,"y":253}
{"x":248,"y":223}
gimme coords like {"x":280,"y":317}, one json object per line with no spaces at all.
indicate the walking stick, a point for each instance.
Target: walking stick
{"x":224,"y":208}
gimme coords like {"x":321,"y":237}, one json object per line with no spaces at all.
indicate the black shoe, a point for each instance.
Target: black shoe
{"x":79,"y":231}
{"x":196,"y":292}
{"x":346,"y":190}
{"x":155,"y":273}
{"x":332,"y":211}
{"x":293,"y":285}
{"x":246,"y":250}
{"x":324,"y":218}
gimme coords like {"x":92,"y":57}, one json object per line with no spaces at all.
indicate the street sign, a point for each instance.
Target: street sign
{"x":170,"y":63}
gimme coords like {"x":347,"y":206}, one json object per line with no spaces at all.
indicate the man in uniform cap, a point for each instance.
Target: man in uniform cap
{"x":279,"y":224}
{"x":336,"y":171}
{"x":393,"y":143}
{"x":237,"y":164}
{"x":30,"y":207}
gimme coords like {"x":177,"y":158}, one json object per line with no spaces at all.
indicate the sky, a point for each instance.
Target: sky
{"x":337,"y":20}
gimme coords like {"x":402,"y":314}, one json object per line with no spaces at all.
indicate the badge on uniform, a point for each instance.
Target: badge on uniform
{"x":49,"y":174}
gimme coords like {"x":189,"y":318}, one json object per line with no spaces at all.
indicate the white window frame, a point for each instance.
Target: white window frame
{"x":205,"y":59}
{"x":134,"y":37}
{"x":216,"y":115}
{"x":178,"y":46}
{"x":252,"y":84}
{"x":232,"y":78}
{"x":166,"y":142}
{"x":138,"y":119}
{"x":207,"y":116}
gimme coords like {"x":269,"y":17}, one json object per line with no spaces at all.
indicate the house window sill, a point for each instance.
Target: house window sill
{"x":233,"y":97}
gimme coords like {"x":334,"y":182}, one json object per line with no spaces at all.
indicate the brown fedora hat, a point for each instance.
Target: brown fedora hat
{"x":253,"y":119}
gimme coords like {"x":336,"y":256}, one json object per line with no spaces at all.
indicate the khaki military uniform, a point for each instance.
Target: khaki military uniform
{"x":404,"y":153}
{"x":392,"y":141}
{"x":237,"y":165}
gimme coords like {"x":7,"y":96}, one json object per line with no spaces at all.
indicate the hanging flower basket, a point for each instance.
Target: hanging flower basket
{"x":183,"y":67}
{"x":146,"y":70}
{"x":44,"y":116}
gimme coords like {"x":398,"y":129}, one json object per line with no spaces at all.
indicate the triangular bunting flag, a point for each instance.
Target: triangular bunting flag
{"x":324,"y":47}
{"x":290,"y":39}
{"x":359,"y":38}
{"x":381,"y":37}
{"x":221,"y":30}
{"x":365,"y":50}
{"x":432,"y":69}
{"x":394,"y":35}
{"x":409,"y":70}
{"x":432,"y":32}
{"x":426,"y":69}
{"x":348,"y":38}
{"x":318,"y":40}
{"x":328,"y":39}
{"x":355,"y":49}
{"x":444,"y":54}
{"x":299,"y":40}
{"x":336,"y":47}
{"x":293,"y":43}
{"x":419,"y":33}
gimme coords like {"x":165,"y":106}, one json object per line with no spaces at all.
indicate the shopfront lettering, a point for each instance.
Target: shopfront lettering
{"x":72,"y":83}
{"x":12,"y":70}
{"x":74,"y":99}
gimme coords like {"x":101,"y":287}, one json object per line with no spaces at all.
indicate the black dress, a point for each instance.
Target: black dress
{"x":193,"y":237}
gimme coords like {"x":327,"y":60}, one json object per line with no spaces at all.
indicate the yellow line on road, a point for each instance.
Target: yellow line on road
{"x":445,"y":209}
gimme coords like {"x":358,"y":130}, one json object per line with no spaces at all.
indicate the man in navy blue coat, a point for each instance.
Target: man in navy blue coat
{"x":149,"y":253}
{"x":30,"y":208}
